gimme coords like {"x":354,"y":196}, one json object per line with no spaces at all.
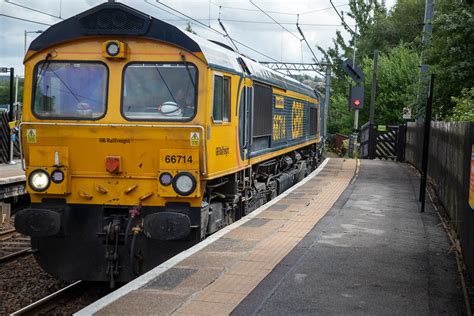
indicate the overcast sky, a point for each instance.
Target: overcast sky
{"x":317,"y":20}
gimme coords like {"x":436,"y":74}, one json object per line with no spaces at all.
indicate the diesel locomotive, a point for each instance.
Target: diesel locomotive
{"x":140,"y":139}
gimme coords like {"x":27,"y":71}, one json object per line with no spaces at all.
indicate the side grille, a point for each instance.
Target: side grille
{"x":313,"y":121}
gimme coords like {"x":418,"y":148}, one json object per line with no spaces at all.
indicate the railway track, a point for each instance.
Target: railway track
{"x":13,"y":245}
{"x":67,"y":300}
{"x":48,"y":304}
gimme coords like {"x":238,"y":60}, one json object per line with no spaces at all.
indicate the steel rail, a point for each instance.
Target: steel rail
{"x":5,"y":235}
{"x":14,"y":255}
{"x":45,"y":299}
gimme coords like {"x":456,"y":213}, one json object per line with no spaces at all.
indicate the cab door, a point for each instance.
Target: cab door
{"x":245,"y":117}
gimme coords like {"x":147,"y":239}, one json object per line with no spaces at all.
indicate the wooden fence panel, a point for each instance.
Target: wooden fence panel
{"x":449,"y":169}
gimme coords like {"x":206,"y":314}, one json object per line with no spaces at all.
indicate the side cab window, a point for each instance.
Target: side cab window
{"x":221,"y":99}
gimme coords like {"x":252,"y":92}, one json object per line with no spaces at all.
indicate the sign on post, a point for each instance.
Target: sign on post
{"x":353,"y":71}
{"x":406,"y":113}
{"x":381,"y":128}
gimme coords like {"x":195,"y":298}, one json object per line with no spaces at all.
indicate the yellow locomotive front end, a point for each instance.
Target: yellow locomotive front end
{"x":114,"y":145}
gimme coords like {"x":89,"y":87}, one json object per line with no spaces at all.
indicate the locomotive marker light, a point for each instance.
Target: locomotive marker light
{"x":57,"y":176}
{"x":184,"y":183}
{"x":39,"y":180}
{"x":114,"y":49}
{"x":166,"y":178}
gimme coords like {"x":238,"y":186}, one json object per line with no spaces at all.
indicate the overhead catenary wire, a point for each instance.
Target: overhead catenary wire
{"x":33,"y":9}
{"x":253,"y":10}
{"x":189,"y":19}
{"x":22,"y":19}
{"x":268,"y":15}
{"x":260,"y":22}
{"x":307,"y":44}
{"x":171,"y":13}
{"x":342,"y":19}
{"x":225,"y":31}
{"x":323,"y":9}
{"x":213,"y":29}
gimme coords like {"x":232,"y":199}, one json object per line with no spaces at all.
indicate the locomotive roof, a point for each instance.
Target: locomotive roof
{"x":118,"y":19}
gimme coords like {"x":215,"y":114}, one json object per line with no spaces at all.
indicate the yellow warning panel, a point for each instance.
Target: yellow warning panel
{"x":31,"y":136}
{"x":194,"y":139}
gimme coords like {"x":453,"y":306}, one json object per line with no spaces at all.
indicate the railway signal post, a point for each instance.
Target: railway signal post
{"x":356,"y":98}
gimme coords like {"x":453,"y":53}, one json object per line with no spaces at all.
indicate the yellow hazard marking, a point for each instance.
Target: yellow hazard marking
{"x":194,"y":139}
{"x":31,"y":136}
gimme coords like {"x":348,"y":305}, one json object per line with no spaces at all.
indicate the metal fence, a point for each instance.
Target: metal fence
{"x":5,"y":140}
{"x":386,"y":142}
{"x":449,"y":169}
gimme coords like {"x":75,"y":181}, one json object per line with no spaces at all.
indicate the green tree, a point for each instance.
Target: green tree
{"x":190,"y":29}
{"x":450,"y":54}
{"x":5,"y":90}
{"x":396,"y":34}
{"x":397,"y":84}
{"x":464,"y":106}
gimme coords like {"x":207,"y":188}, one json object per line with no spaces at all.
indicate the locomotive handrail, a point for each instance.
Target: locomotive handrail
{"x":203,"y":138}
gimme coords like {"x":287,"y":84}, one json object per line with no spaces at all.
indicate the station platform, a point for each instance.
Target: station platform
{"x":12,"y":180}
{"x":348,"y":239}
{"x":11,"y":173}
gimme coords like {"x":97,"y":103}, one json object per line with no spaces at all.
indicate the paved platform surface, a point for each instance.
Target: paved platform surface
{"x":217,"y":274}
{"x":372,"y":254}
{"x":334,"y":245}
{"x":11,"y":173}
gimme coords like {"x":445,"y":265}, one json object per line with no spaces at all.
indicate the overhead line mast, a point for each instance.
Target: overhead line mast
{"x":274,"y":20}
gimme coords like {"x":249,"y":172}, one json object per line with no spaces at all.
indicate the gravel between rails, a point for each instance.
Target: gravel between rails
{"x":22,"y":282}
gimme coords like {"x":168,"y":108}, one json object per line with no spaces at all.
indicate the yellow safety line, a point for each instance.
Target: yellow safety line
{"x":356,"y":173}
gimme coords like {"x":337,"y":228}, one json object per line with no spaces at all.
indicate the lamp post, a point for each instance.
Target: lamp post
{"x":26,"y":37}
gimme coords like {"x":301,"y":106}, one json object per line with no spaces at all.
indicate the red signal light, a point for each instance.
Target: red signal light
{"x":356,"y":102}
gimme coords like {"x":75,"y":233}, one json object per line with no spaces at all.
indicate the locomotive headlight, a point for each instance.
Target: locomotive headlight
{"x":184,"y":183}
{"x":39,"y":180}
{"x":113,"y":49}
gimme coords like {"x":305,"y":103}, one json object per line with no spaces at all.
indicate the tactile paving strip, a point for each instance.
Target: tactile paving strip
{"x":214,"y":280}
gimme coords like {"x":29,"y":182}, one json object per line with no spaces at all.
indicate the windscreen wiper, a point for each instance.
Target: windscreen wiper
{"x":166,"y":85}
{"x":189,"y":72}
{"x":46,"y":63}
